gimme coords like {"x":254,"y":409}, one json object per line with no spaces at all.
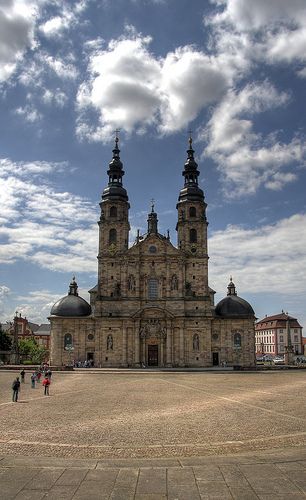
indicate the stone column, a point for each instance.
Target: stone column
{"x":144,"y":350}
{"x":161,"y":364}
{"x":136,"y":343}
{"x":169,"y":345}
{"x":181,"y":360}
{"x":124,"y":336}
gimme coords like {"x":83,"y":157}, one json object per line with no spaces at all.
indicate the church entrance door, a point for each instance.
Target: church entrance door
{"x":152,"y":355}
{"x":215,"y":358}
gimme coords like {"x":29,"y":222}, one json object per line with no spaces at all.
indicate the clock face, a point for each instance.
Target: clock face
{"x":193,"y":248}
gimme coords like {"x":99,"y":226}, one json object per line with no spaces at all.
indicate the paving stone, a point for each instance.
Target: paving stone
{"x":181,"y":476}
{"x":102,"y":475}
{"x":262,"y":471}
{"x":125,"y":485}
{"x":61,"y":493}
{"x":233,"y":476}
{"x":71,"y":477}
{"x":151,"y":481}
{"x":151,"y":497}
{"x":288,"y":496}
{"x":31,"y":495}
{"x":9,"y":490}
{"x":291,"y":466}
{"x":214,"y":489}
{"x":92,"y":490}
{"x":183,"y":492}
{"x":278,"y":486}
{"x":243,"y":493}
{"x":44,"y":479}
{"x":207,"y":473}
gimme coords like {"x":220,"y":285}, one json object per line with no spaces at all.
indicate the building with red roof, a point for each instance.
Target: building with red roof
{"x":275,"y":334}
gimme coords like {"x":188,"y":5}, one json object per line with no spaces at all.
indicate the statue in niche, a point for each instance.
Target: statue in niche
{"x":196,"y":342}
{"x":117,"y":292}
{"x":174,"y":282}
{"x":131,"y":283}
{"x":110,"y":343}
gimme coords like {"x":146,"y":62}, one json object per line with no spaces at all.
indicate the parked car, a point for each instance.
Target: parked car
{"x":278,"y":360}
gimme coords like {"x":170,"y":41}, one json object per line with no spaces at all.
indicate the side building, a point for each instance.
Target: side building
{"x":274,"y":334}
{"x":152,"y":305}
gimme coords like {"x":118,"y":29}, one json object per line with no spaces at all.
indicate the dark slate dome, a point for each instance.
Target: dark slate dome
{"x":233,"y":306}
{"x":72,"y":304}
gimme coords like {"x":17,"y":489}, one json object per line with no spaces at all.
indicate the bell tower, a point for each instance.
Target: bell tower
{"x":192,"y":227}
{"x":114,"y":222}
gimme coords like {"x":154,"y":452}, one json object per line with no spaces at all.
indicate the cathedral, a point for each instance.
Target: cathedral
{"x":152,"y":305}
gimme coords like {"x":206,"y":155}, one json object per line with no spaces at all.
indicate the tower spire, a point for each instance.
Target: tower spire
{"x":191,"y":190}
{"x":115,"y":172}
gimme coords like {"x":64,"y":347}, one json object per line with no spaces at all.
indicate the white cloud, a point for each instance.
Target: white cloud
{"x":53,"y":223}
{"x":67,"y":18}
{"x":276,"y":30}
{"x":245,"y":158}
{"x":17,"y":19}
{"x":29,"y":113}
{"x":130,"y":87}
{"x":269,"y":258}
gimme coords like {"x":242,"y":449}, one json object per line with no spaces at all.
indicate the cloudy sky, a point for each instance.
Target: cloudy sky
{"x":232,"y":71}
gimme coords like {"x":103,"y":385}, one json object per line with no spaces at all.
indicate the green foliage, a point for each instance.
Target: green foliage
{"x":28,"y":348}
{"x":5,"y":340}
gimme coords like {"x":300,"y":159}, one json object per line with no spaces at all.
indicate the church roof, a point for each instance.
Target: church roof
{"x":72,"y":305}
{"x":233,"y":306}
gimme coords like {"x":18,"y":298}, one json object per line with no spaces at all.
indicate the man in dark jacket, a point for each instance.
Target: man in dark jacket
{"x":16,"y":388}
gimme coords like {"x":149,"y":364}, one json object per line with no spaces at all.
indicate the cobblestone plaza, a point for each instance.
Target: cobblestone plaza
{"x":147,"y":434}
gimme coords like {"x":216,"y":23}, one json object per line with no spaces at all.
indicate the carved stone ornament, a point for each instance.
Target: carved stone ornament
{"x":153,"y":328}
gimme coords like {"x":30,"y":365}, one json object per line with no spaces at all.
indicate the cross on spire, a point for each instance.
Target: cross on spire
{"x":117,"y":135}
{"x":190,"y":138}
{"x":152,"y":204}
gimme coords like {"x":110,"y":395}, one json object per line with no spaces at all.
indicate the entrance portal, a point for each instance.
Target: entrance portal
{"x":152,"y":355}
{"x":215,"y":358}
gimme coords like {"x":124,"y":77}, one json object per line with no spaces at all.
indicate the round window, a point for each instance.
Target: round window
{"x":152,"y":249}
{"x":90,"y":336}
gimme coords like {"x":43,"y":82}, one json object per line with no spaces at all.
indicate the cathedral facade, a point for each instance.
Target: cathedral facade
{"x":152,"y":305}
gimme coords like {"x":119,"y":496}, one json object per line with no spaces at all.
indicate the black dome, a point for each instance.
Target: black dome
{"x":233,"y":306}
{"x":71,"y":305}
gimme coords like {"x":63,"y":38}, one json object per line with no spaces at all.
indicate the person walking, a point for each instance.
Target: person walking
{"x":22,"y":374}
{"x":38,"y":376}
{"x":33,"y":379}
{"x":46,"y":384}
{"x":16,"y":388}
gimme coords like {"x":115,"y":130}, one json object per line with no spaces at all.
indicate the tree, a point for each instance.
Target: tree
{"x":28,"y":348}
{"x":5,"y":340}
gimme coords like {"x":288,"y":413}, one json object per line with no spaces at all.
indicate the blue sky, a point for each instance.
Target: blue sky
{"x":234,"y":72}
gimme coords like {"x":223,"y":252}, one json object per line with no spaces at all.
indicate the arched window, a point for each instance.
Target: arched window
{"x":68,"y":340}
{"x":192,"y":212}
{"x":153,"y":289}
{"x":237,"y":340}
{"x":193,"y":236}
{"x":113,"y":212}
{"x":112,"y":236}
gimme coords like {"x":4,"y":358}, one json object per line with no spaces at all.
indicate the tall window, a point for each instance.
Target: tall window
{"x":112,"y":236}
{"x":192,"y":212}
{"x":153,"y":289}
{"x":193,"y":236}
{"x":237,"y":340}
{"x":113,"y":212}
{"x":67,"y":340}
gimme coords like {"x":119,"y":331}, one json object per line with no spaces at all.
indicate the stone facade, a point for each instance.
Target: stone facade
{"x":152,"y":305}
